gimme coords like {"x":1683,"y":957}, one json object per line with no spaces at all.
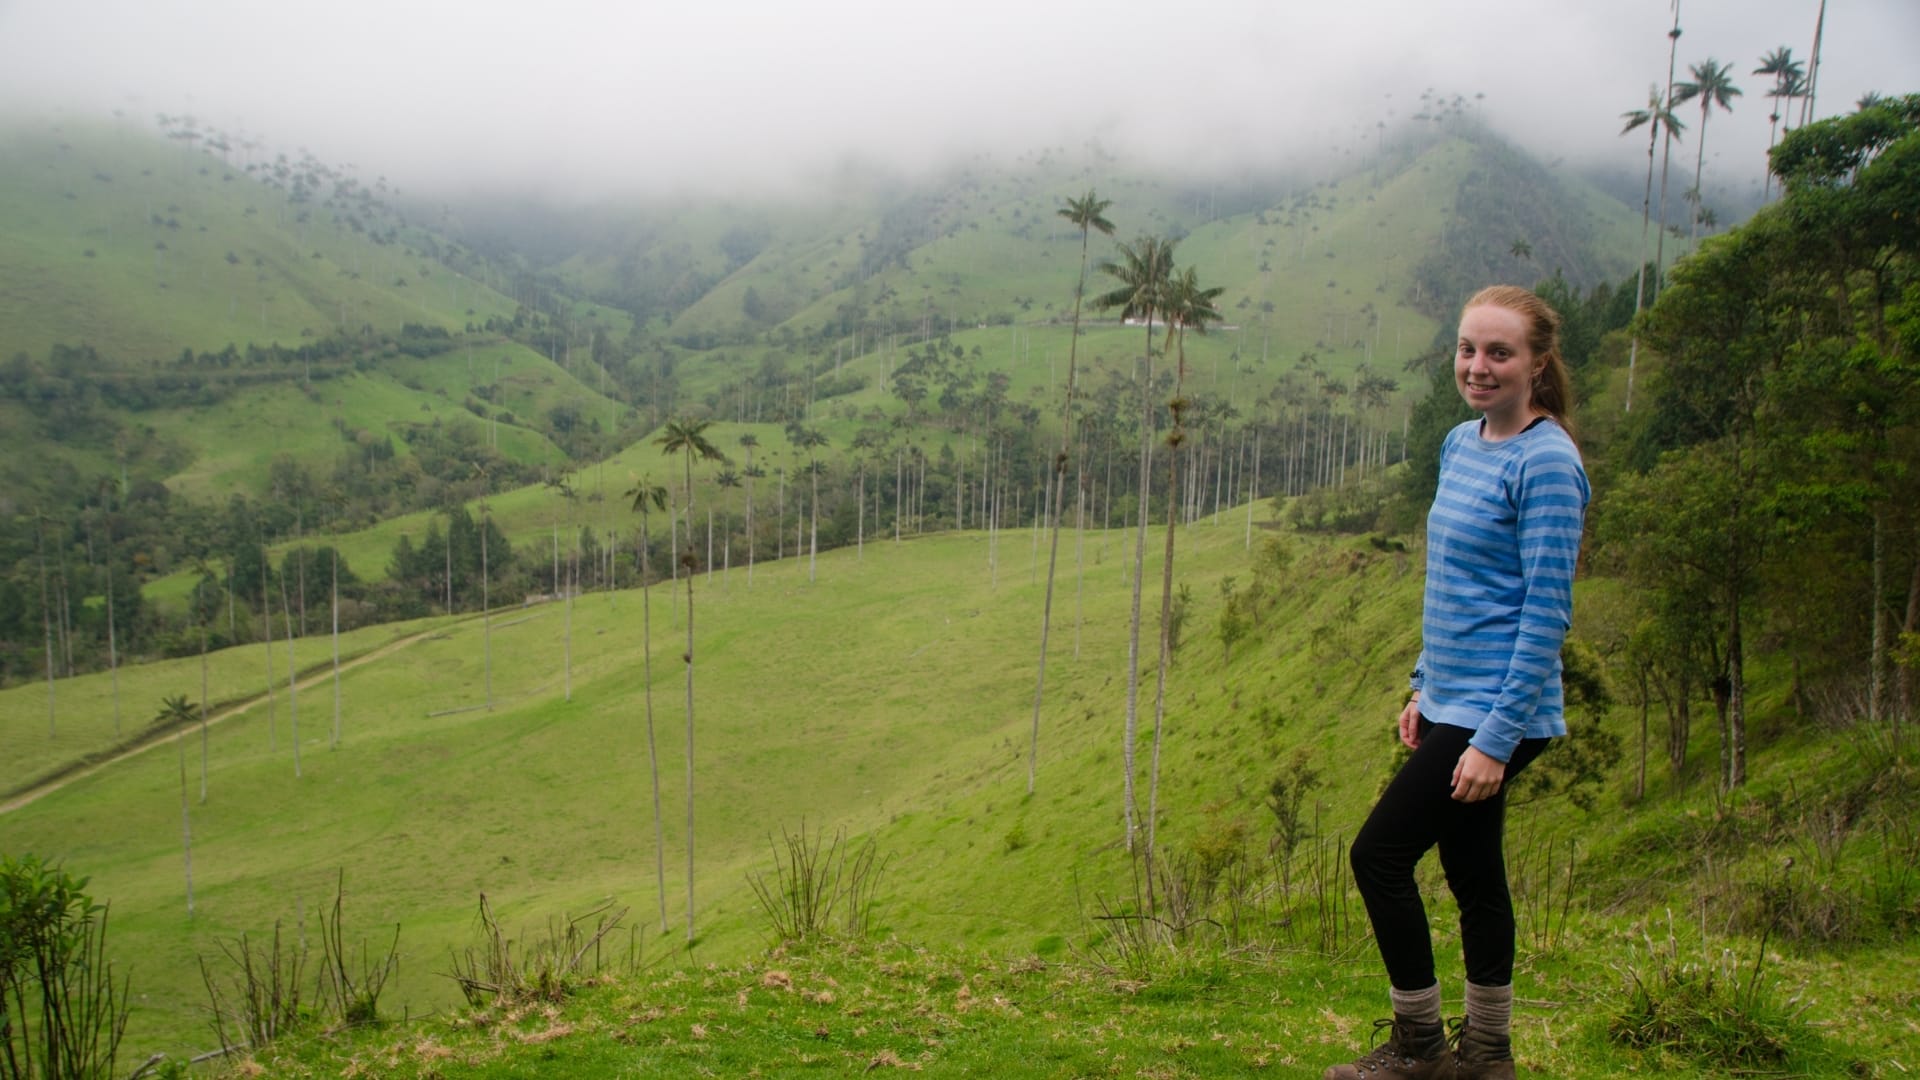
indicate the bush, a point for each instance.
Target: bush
{"x":61,"y":1014}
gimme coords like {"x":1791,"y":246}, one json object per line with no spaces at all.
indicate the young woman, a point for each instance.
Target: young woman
{"x":1503,"y":536}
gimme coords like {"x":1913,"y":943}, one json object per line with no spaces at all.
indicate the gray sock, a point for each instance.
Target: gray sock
{"x":1490,"y":1008}
{"x":1421,"y":1006}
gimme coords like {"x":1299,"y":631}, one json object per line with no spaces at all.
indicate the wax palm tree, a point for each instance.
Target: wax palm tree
{"x":1086,"y":212}
{"x":749,"y":442}
{"x":645,"y":493}
{"x":688,"y":438}
{"x":1789,"y":76}
{"x":203,"y":614}
{"x":106,"y":487}
{"x":1142,"y":270}
{"x":1185,"y":305}
{"x":811,"y":440}
{"x":1657,"y":117}
{"x":1666,"y":155}
{"x":486,"y":600}
{"x":1713,"y":85}
{"x":176,"y":711}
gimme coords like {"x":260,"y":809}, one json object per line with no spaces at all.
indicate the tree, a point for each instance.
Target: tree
{"x":1087,"y":213}
{"x":113,"y":648}
{"x":1713,"y":85}
{"x":203,"y":614}
{"x":1666,"y":154}
{"x":810,"y":440}
{"x":645,"y":493}
{"x":176,"y":711}
{"x":1142,"y":270}
{"x":1657,"y":117}
{"x":749,"y":442}
{"x":1789,"y":79}
{"x":688,"y":438}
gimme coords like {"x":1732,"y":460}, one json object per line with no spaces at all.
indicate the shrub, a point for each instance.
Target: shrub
{"x":61,"y":1014}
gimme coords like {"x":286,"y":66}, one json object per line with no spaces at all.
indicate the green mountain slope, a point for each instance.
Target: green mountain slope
{"x":115,"y":240}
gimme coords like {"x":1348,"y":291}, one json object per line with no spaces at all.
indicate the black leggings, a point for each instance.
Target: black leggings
{"x":1416,"y":812}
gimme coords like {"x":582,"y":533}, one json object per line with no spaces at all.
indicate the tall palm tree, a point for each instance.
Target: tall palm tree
{"x":486,"y":603}
{"x":688,"y":438}
{"x":1789,"y":76}
{"x":1142,"y":270}
{"x":645,"y":493}
{"x":811,"y":440}
{"x":46,"y":611}
{"x":1666,"y":155}
{"x":1813,"y":66}
{"x":749,"y":442}
{"x":1186,"y":305}
{"x":113,"y":645}
{"x":1656,"y":117}
{"x":1088,"y":213}
{"x":203,"y":614}
{"x":177,"y":711}
{"x":1713,"y":85}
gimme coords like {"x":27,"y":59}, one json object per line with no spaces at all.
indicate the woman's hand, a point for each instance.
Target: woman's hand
{"x":1410,"y":723}
{"x":1477,"y":776}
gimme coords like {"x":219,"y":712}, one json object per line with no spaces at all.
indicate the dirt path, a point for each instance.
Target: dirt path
{"x":152,"y":739}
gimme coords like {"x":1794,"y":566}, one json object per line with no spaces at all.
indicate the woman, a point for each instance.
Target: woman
{"x":1503,"y":536}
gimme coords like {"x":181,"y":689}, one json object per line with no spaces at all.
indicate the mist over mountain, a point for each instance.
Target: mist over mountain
{"x":582,"y":99}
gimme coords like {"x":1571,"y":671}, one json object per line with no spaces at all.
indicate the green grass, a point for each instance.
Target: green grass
{"x":82,"y":726}
{"x":890,"y":698}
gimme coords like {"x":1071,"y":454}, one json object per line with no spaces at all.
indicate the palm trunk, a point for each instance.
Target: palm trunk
{"x":1640,"y":281}
{"x":689,"y":706}
{"x":1174,"y":438}
{"x":336,"y":648}
{"x":266,"y":618}
{"x":293,"y":675}
{"x":46,"y":622}
{"x":1666,"y":157}
{"x":689,"y":759}
{"x":1139,"y":574}
{"x":186,"y":819}
{"x":653,"y":749}
{"x":113,"y":648}
{"x":203,"y":712}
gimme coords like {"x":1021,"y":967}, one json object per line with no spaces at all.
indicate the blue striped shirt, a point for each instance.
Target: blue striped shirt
{"x":1503,"y":537}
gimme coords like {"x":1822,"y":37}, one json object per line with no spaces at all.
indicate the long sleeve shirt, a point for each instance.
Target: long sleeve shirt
{"x":1503,"y":538}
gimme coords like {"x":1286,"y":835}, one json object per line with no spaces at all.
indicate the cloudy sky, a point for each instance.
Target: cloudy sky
{"x":593,"y":97}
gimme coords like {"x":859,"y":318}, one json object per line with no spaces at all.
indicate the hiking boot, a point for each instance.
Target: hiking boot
{"x":1480,"y":1056}
{"x":1413,"y":1051}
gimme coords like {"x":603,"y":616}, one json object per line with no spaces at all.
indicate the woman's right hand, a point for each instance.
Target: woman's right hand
{"x":1410,"y":723}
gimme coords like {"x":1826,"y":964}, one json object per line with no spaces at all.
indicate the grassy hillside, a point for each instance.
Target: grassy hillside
{"x":890,"y":698}
{"x":543,"y":802}
{"x":116,"y":240}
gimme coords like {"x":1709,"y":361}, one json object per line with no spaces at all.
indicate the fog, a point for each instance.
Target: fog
{"x":581,"y":99}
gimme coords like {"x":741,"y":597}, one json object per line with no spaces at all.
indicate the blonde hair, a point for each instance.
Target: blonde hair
{"x":1552,"y":387}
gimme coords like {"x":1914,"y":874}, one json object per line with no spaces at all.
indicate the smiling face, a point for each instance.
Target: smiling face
{"x":1493,"y":368}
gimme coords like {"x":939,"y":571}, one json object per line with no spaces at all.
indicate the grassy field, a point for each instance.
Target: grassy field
{"x":890,"y":698}
{"x":119,"y":241}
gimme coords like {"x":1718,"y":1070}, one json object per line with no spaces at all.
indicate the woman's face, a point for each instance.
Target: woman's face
{"x":1493,"y":366}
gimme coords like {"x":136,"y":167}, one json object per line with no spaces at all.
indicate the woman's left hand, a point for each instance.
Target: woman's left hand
{"x":1477,"y":776}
